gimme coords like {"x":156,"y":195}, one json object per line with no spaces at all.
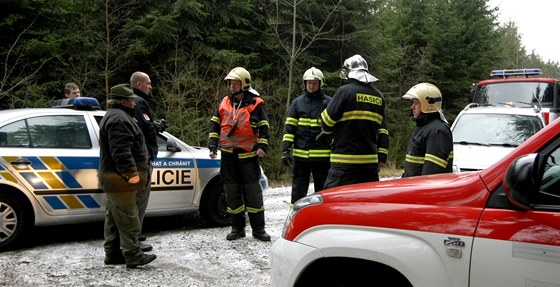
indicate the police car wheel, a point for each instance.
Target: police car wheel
{"x":11,"y":220}
{"x":213,"y":204}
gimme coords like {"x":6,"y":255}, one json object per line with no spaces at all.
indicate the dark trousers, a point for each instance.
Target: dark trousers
{"x":344,"y":174}
{"x":243,"y":190}
{"x":143,"y":196}
{"x":301,"y":172}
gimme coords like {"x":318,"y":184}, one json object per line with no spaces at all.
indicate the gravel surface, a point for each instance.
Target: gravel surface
{"x":188,"y":254}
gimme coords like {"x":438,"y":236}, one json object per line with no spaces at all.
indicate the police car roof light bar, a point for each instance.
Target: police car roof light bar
{"x":515,"y":72}
{"x":79,"y":103}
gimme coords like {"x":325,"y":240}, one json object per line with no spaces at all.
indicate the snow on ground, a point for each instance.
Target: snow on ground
{"x":188,"y":254}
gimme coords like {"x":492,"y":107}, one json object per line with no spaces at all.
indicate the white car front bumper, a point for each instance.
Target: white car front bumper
{"x":288,"y":260}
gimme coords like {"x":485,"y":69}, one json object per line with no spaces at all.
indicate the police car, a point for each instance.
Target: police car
{"x":49,"y":159}
{"x":482,"y":135}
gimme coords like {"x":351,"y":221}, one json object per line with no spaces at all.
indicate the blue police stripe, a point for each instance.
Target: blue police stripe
{"x":79,"y":162}
{"x":88,"y":201}
{"x":34,"y":180}
{"x":208,"y":163}
{"x":37,"y":164}
{"x":55,"y":202}
{"x":2,"y":167}
{"x":69,"y":179}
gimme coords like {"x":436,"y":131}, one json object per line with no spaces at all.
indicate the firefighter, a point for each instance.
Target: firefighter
{"x":356,"y":120}
{"x":301,"y":129}
{"x":240,"y":129}
{"x":430,"y":148}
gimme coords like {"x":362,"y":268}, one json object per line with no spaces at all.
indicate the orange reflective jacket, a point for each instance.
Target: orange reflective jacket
{"x":235,"y":127}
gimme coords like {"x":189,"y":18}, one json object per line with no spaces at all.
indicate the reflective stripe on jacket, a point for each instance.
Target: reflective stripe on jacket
{"x":430,"y":148}
{"x":239,"y":127}
{"x":235,"y":129}
{"x":356,"y":119}
{"x":303,"y":125}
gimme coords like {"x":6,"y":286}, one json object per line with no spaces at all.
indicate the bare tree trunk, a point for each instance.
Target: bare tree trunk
{"x":292,"y":56}
{"x":297,"y":47}
{"x":107,"y":48}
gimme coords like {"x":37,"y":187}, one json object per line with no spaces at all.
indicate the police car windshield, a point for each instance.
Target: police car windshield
{"x":507,"y":130}
{"x":519,"y":94}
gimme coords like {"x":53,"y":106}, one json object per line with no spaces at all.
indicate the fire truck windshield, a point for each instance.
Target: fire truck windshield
{"x":518,"y":94}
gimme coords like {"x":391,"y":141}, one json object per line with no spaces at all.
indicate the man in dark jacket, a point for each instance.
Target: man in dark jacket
{"x":356,"y":119}
{"x":239,"y":128}
{"x":430,"y":148}
{"x":142,"y":86}
{"x":300,"y":132}
{"x":123,"y":170}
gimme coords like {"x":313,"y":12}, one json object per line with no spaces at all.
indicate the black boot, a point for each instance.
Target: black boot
{"x":114,"y":257}
{"x":261,"y":235}
{"x":146,"y":247}
{"x":257,"y":224}
{"x":139,"y":260}
{"x":237,"y":227}
{"x":236,"y":234}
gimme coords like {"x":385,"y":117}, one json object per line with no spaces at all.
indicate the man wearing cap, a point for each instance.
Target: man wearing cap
{"x":123,"y":171}
{"x":430,"y":148}
{"x":356,"y":120}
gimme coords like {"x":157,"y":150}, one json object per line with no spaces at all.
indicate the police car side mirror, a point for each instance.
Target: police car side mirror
{"x":519,"y":181}
{"x":172,"y":146}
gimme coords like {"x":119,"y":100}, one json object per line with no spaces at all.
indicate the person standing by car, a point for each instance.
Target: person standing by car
{"x":142,"y":86}
{"x":240,"y":128}
{"x":301,"y":129}
{"x":71,"y":90}
{"x":123,"y":170}
{"x":430,"y":148}
{"x":356,"y":120}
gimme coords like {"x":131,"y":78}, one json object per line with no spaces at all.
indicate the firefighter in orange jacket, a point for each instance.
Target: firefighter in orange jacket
{"x":240,"y":129}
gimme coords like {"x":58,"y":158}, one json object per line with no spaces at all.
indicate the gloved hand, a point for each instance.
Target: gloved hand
{"x":287,"y":158}
{"x":162,"y":125}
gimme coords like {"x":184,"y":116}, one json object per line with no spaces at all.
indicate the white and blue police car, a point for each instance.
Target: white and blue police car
{"x":49,"y":159}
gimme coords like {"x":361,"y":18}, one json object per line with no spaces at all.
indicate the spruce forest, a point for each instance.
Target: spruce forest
{"x":188,"y":46}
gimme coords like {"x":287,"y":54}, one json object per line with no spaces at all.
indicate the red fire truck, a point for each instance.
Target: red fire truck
{"x":519,"y":88}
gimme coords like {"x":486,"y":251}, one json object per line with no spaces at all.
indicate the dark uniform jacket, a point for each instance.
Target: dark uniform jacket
{"x":122,"y":152}
{"x":430,"y":149}
{"x":220,"y":131}
{"x":303,"y":125}
{"x":145,"y":118}
{"x":356,"y":119}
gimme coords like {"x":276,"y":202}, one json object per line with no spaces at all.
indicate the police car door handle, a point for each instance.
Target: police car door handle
{"x":21,"y":162}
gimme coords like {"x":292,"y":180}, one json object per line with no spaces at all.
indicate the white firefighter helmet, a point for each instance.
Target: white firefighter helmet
{"x":428,"y":95}
{"x":239,"y":73}
{"x":314,"y":74}
{"x":356,"y":67}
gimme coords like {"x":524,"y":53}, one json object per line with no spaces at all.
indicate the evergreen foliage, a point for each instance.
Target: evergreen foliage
{"x":188,"y":46}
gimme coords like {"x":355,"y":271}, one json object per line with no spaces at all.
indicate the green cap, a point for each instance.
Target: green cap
{"x":122,"y":91}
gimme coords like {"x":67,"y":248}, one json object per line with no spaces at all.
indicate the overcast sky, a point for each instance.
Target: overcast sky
{"x":538,"y":24}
